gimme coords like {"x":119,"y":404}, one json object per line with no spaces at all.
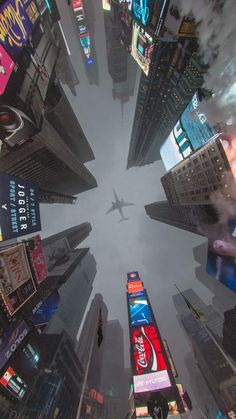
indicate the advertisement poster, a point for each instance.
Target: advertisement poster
{"x":47,"y":310}
{"x":142,"y":10}
{"x":37,"y":257}
{"x":133,"y":276}
{"x":11,"y":340}
{"x":140,"y":313}
{"x":191,"y":132}
{"x":6,"y":68}
{"x":16,"y":282}
{"x":142,"y":48}
{"x":31,"y":10}
{"x":135,"y":286}
{"x":19,"y":27}
{"x":13,"y":383}
{"x":106,"y":4}
{"x":146,"y":349}
{"x":151,"y":382}
{"x":19,"y":207}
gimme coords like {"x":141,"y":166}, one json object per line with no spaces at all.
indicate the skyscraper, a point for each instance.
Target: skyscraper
{"x":86,"y":339}
{"x":113,"y":373}
{"x":74,"y":235}
{"x":74,"y":296}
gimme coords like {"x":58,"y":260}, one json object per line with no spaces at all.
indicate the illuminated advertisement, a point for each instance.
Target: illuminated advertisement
{"x":46,"y":310}
{"x":142,"y":10}
{"x":31,"y":10}
{"x":140,"y":313}
{"x":11,"y":340}
{"x":173,"y":410}
{"x":142,"y":48}
{"x":19,"y":26}
{"x":42,"y":6}
{"x":37,"y":258}
{"x":16,"y":282}
{"x":229,"y":148}
{"x":150,"y":382}
{"x":221,"y":262}
{"x":135,"y":286}
{"x":13,"y":383}
{"x":146,"y":349}
{"x":6,"y":68}
{"x":133,"y":276}
{"x":106,"y":4}
{"x":27,"y":360}
{"x":191,"y":132}
{"x":19,"y":207}
{"x":142,"y":412}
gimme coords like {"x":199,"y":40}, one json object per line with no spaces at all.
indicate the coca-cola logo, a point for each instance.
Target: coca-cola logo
{"x":147,"y":352}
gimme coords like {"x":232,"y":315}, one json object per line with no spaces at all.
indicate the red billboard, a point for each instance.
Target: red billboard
{"x":37,"y":258}
{"x":146,"y":350}
{"x":6,"y":67}
{"x":135,"y":286}
{"x":13,"y":383}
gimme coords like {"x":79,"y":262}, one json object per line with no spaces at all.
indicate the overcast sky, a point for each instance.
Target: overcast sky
{"x":162,"y":254}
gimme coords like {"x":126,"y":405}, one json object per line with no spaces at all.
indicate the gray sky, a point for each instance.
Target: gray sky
{"x":162,"y":254}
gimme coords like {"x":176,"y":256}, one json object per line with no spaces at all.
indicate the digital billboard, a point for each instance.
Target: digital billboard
{"x":221,"y":261}
{"x":142,"y":10}
{"x":46,"y":310}
{"x":37,"y":258}
{"x":12,"y":382}
{"x":140,"y":313}
{"x":142,"y":48}
{"x":17,"y":28}
{"x":142,"y":412}
{"x":135,"y":286}
{"x":106,"y":4}
{"x":146,"y":350}
{"x":16,"y":282}
{"x":229,"y":145}
{"x":133,"y":276}
{"x":6,"y":68}
{"x":10,"y":341}
{"x":190,"y":133}
{"x":19,"y":207}
{"x":151,"y":382}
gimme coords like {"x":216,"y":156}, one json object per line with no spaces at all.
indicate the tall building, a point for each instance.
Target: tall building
{"x":97,"y":308}
{"x":74,"y":235}
{"x":214,"y":367}
{"x":229,"y":332}
{"x":46,"y":197}
{"x":175,"y":74}
{"x":121,"y":66}
{"x":74,"y":294}
{"x":184,"y":217}
{"x":192,"y":181}
{"x":113,"y":373}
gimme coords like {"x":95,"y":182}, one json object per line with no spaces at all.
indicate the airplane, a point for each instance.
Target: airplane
{"x":118,"y":205}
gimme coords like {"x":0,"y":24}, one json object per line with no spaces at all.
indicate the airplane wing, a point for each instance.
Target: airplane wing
{"x":126,"y":204}
{"x":113,"y":207}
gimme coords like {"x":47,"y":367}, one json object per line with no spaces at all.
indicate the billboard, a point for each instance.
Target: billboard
{"x":133,"y":276}
{"x":17,"y":28}
{"x":46,"y":310}
{"x":140,"y":313}
{"x":142,"y":48}
{"x":6,"y":68}
{"x":19,"y":207}
{"x":106,"y":4}
{"x":135,"y":286}
{"x":146,"y":350}
{"x":190,"y":133}
{"x":142,"y":412}
{"x":11,"y":340}
{"x":37,"y":258}
{"x":229,"y":148}
{"x":27,"y":360}
{"x":221,"y":262}
{"x":16,"y":282}
{"x":142,"y":10}
{"x":151,"y":382}
{"x":12,"y":382}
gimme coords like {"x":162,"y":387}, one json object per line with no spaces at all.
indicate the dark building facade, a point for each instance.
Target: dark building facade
{"x":229,"y":332}
{"x":175,"y":74}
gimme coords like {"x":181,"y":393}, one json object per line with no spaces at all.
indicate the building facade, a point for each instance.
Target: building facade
{"x":229,"y":332}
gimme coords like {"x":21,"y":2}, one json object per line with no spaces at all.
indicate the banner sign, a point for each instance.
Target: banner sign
{"x":6,"y":68}
{"x":150,"y":382}
{"x":16,"y":282}
{"x":140,"y":313}
{"x":133,"y":276}
{"x":37,"y":258}
{"x":146,"y":348}
{"x":19,"y":207}
{"x":11,"y":340}
{"x":13,"y":383}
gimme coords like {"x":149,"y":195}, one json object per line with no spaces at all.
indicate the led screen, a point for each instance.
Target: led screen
{"x":106,"y":5}
{"x":140,"y":313}
{"x":146,"y":350}
{"x":142,"y":10}
{"x":133,"y":276}
{"x":46,"y":311}
{"x":150,"y":382}
{"x":142,"y":48}
{"x":13,"y":383}
{"x":142,"y":412}
{"x":136,"y":294}
{"x":190,"y":133}
{"x":37,"y":258}
{"x":135,"y":286}
{"x":6,"y":67}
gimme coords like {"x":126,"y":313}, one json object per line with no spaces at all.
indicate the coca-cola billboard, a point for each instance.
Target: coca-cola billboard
{"x":146,"y":349}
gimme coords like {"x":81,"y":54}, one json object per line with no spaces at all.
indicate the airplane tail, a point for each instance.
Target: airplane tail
{"x":123,"y":219}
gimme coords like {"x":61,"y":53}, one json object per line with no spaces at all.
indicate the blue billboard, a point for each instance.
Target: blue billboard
{"x":140,"y":313}
{"x":191,"y":132}
{"x":19,"y":207}
{"x":142,"y":10}
{"x":47,"y":310}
